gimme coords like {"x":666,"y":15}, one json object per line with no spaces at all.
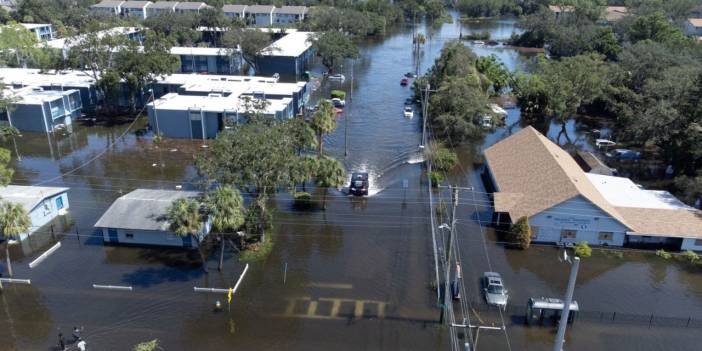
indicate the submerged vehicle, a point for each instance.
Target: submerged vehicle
{"x":409,"y":112}
{"x":338,"y":76}
{"x":494,"y":289}
{"x":404,"y":81}
{"x":359,"y":184}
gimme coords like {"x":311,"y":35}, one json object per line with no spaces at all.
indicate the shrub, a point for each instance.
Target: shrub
{"x":691,"y":256}
{"x":520,"y":233}
{"x":442,"y":159}
{"x":257,"y":251}
{"x":302,"y":199}
{"x":436,"y":178}
{"x":582,"y":249}
{"x":663,"y":254}
{"x":339,"y":94}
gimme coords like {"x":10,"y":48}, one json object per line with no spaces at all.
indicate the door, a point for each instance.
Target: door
{"x":112,"y":234}
{"x":196,"y":124}
{"x":187,"y":241}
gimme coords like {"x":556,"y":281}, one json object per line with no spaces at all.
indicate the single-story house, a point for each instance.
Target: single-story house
{"x":234,"y":11}
{"x":44,"y":31}
{"x":533,"y":177}
{"x":42,"y":203}
{"x":259,"y":15}
{"x":190,"y":7}
{"x":289,"y":56}
{"x":38,"y":110}
{"x":693,"y":27}
{"x":160,"y":7}
{"x":139,"y":218}
{"x":289,"y":14}
{"x":136,"y":9}
{"x":107,"y":7}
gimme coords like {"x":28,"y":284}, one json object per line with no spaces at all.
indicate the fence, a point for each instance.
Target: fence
{"x":517,"y":315}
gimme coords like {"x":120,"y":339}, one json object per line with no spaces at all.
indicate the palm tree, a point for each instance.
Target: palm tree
{"x":226,"y":207}
{"x":14,"y":221}
{"x":323,"y":122}
{"x":186,"y":220}
{"x":330,"y":173}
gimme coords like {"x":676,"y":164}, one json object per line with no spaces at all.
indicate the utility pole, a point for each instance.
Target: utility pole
{"x":425,"y":113}
{"x":447,"y":280}
{"x":347,"y":116}
{"x":563,"y":324}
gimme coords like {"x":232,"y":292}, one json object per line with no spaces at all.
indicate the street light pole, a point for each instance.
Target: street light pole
{"x":346,"y":117}
{"x":560,"y":336}
{"x":425,"y":112}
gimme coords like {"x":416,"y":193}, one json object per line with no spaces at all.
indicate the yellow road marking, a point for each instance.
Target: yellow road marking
{"x":358,"y":312}
{"x":312,"y":309}
{"x":335,"y":308}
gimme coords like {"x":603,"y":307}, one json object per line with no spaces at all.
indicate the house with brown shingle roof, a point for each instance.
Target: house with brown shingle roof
{"x":535,"y":178}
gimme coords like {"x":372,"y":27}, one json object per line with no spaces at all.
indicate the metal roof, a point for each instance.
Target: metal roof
{"x":142,"y":209}
{"x":107,"y":4}
{"x":29,"y":196}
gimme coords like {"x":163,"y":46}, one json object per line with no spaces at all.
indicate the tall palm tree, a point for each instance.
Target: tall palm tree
{"x":186,"y":220}
{"x":323,"y":122}
{"x":330,"y":173}
{"x":226,"y":207}
{"x":14,"y":221}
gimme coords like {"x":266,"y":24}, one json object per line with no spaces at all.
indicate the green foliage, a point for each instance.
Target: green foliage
{"x":251,"y":43}
{"x":225,"y":205}
{"x":257,"y":251}
{"x":663,"y":254}
{"x":180,"y":28}
{"x":184,"y":217}
{"x":323,"y":122}
{"x":582,"y":249}
{"x":14,"y":219}
{"x":302,"y":199}
{"x":329,"y":173}
{"x":442,"y":159}
{"x":519,"y":234}
{"x":490,"y":8}
{"x":477,"y":36}
{"x":338,"y":94}
{"x":436,"y":178}
{"x":19,"y":46}
{"x":655,"y":27}
{"x":333,"y":47}
{"x":497,"y":75}
{"x":152,"y":345}
{"x":691,"y":257}
{"x":5,"y":171}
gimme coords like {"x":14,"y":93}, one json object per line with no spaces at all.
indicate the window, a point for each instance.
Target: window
{"x":534,"y":232}
{"x":129,"y":235}
{"x":59,"y":202}
{"x":607,"y":236}
{"x":568,"y":234}
{"x":698,"y":242}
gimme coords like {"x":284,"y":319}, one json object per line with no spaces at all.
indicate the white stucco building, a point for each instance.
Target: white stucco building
{"x":535,"y":178}
{"x":42,"y":203}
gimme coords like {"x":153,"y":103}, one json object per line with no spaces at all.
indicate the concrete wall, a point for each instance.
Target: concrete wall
{"x":46,"y":211}
{"x":691,"y":244}
{"x":29,"y":118}
{"x":580,"y":215}
{"x":145,"y":237}
{"x":176,"y":123}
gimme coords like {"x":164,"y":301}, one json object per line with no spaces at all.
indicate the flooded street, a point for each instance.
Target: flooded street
{"x":356,"y":276}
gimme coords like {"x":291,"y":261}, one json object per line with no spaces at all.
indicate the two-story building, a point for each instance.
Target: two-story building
{"x":107,"y":8}
{"x":208,"y":60}
{"x":288,"y":56}
{"x":135,"y":9}
{"x":533,"y":177}
{"x":259,"y":15}
{"x":43,"y":31}
{"x":693,"y":27}
{"x":161,"y":7}
{"x":190,"y":7}
{"x":38,"y":110}
{"x":234,"y":11}
{"x":289,"y":15}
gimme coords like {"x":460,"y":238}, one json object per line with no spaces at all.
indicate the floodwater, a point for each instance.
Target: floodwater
{"x":356,"y":276}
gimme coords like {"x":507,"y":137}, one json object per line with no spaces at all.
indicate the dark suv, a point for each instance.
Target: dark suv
{"x":359,"y":184}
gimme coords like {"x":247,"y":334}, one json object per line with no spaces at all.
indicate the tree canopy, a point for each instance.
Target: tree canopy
{"x":333,"y":47}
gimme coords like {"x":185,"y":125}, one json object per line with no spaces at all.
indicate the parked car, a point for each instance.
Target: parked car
{"x":409,"y":101}
{"x":404,"y":81}
{"x":495,"y":292}
{"x":624,"y":154}
{"x":409,"y":112}
{"x":359,"y":184}
{"x":338,"y":103}
{"x":410,"y":75}
{"x":337,"y":76}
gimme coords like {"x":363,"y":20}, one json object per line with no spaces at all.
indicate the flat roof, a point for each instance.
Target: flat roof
{"x":31,"y":26}
{"x":622,"y":192}
{"x":29,"y":196}
{"x":30,"y":76}
{"x":73,"y":41}
{"x":142,"y":209}
{"x":183,"y":50}
{"x":217,"y":104}
{"x":30,"y":96}
{"x":291,"y":45}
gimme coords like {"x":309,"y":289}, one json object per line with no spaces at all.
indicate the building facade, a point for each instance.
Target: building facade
{"x":38,"y":110}
{"x":208,"y":60}
{"x":43,"y":31}
{"x":289,"y":15}
{"x":107,"y":8}
{"x":135,"y":9}
{"x":289,"y":56}
{"x":160,"y":7}
{"x":259,"y":15}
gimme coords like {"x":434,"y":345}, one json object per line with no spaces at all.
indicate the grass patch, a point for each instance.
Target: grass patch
{"x":258,"y":251}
